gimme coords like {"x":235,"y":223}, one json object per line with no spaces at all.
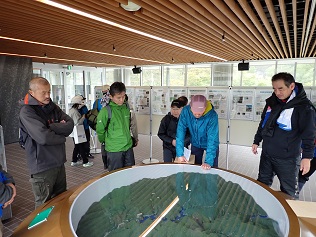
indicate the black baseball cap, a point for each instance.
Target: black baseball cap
{"x":177,"y":103}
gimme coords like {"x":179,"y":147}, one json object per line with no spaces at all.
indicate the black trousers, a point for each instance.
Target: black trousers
{"x":286,"y":169}
{"x":117,"y":160}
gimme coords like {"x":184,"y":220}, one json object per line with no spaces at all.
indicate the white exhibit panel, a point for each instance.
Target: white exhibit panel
{"x":123,"y":178}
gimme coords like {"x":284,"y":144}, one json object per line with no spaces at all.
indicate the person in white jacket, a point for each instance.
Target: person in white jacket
{"x":78,"y":101}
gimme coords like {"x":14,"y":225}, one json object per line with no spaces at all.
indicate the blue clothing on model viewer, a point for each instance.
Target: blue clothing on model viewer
{"x":203,"y":132}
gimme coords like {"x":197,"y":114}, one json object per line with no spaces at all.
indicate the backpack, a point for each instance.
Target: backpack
{"x":92,"y":118}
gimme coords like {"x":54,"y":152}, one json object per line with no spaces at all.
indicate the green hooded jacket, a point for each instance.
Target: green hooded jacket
{"x":117,"y":136}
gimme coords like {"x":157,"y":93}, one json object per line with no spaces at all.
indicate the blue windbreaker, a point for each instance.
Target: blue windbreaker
{"x":203,"y":131}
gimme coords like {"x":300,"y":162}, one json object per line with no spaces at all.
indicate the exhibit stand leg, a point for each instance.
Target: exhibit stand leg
{"x":94,"y":149}
{"x":150,"y":160}
{"x":228,"y":127}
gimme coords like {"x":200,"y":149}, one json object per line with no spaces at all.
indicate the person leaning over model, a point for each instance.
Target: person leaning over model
{"x":202,"y":121}
{"x":287,"y":122}
{"x":116,"y":134}
{"x":47,"y":127}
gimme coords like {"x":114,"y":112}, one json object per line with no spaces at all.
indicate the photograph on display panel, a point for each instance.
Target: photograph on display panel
{"x":260,"y":101}
{"x":242,"y":104}
{"x":219,"y":99}
{"x":175,"y":93}
{"x":142,"y":100}
{"x":159,"y":100}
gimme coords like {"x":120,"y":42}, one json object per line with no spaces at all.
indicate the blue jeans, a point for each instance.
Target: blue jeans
{"x":198,"y":152}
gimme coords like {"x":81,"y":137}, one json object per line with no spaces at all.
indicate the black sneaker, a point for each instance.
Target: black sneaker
{"x":90,"y":156}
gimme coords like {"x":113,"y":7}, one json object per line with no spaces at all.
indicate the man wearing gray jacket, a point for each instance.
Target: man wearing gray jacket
{"x":45,"y":127}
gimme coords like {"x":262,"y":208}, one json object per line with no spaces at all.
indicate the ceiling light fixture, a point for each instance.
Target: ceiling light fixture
{"x":96,"y":18}
{"x":223,"y":37}
{"x":131,"y":7}
{"x":114,"y":49}
{"x":172,"y":60}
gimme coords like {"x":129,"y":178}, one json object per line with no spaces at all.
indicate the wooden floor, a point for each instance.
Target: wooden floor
{"x":240,"y":159}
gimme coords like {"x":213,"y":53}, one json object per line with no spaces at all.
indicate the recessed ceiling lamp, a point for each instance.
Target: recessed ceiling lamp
{"x":131,"y":7}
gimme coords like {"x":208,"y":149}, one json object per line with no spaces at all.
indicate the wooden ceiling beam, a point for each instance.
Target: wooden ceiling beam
{"x":294,"y":5}
{"x":272,"y":13}
{"x":243,"y":18}
{"x":304,"y":27}
{"x":250,"y":13}
{"x":286,"y":26}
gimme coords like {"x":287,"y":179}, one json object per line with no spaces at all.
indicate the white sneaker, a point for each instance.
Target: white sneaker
{"x":88,"y":164}
{"x":76,"y":163}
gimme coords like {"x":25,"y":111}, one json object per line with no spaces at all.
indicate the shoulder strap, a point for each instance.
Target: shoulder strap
{"x":108,"y":108}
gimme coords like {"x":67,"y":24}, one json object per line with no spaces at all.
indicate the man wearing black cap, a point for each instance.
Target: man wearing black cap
{"x":168,"y":129}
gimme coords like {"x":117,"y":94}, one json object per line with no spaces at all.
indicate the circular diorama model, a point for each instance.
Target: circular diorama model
{"x":179,"y":200}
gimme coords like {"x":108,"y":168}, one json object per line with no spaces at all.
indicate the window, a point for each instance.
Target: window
{"x":93,"y":79}
{"x":112,"y":75}
{"x":131,"y":79}
{"x":173,"y":75}
{"x":151,"y":76}
{"x":305,"y":70}
{"x":199,"y":75}
{"x":259,"y":74}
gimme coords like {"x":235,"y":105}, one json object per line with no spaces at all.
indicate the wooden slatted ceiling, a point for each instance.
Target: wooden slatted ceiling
{"x":253,"y":29}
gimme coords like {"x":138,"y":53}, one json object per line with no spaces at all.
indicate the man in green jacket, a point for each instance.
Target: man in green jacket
{"x":115,"y":133}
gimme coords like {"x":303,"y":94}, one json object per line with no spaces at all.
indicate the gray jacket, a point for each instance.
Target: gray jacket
{"x":45,"y":143}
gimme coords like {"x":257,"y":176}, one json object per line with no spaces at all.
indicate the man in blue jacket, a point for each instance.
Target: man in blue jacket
{"x":202,"y":121}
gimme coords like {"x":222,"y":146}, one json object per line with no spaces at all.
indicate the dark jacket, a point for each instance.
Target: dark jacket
{"x":168,"y":130}
{"x":45,"y":143}
{"x":287,"y":144}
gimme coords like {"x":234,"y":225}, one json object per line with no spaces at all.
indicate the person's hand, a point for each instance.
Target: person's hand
{"x":254,"y":149}
{"x":13,"y":195}
{"x":173,"y":142}
{"x":305,"y":165}
{"x":182,"y":159}
{"x":206,"y":166}
{"x":62,"y":121}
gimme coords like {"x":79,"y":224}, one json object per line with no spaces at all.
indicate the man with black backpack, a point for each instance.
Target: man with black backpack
{"x":45,"y":128}
{"x":115,"y":133}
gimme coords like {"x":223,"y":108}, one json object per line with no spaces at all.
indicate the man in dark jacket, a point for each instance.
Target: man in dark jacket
{"x":168,"y":130}
{"x":47,"y":127}
{"x":287,"y":121}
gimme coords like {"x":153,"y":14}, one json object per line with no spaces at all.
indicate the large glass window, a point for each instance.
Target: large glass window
{"x":259,"y":74}
{"x":199,"y":75}
{"x":151,"y":76}
{"x":112,"y":75}
{"x":237,"y":75}
{"x":74,"y":85}
{"x":174,"y":75}
{"x":286,"y":66}
{"x":305,"y":70}
{"x":222,"y":75}
{"x":57,"y":88}
{"x":93,"y":79}
{"x":131,"y":79}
